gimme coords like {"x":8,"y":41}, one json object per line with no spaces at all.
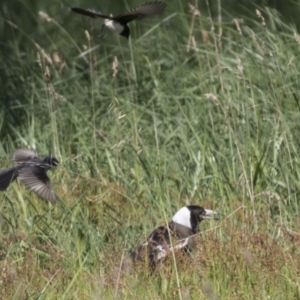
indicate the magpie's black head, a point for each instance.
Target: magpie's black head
{"x":191,"y":215}
{"x":201,"y":213}
{"x":51,"y":161}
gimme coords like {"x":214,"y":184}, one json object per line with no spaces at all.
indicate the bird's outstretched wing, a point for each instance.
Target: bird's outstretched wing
{"x":146,"y":10}
{"x":90,"y":13}
{"x":37,"y":181}
{"x":22,"y":155}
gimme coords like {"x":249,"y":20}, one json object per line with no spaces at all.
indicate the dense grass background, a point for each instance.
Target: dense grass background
{"x":189,"y":111}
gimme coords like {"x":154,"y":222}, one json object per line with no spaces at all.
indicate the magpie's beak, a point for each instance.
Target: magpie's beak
{"x":211,"y":214}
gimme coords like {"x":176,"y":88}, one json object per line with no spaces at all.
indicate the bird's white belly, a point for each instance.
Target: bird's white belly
{"x":112,"y":25}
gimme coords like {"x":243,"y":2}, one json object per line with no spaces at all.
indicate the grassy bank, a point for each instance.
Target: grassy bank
{"x":186,"y":112}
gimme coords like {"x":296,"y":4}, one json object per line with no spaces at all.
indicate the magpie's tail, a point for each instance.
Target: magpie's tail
{"x":7,"y":176}
{"x":144,"y":254}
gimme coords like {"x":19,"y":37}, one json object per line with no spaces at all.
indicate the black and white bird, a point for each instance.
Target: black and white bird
{"x":119,"y":22}
{"x":177,"y":234}
{"x":32,"y":172}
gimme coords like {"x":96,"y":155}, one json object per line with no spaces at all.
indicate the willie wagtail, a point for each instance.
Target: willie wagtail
{"x":31,"y":171}
{"x":119,"y":22}
{"x":180,"y":231}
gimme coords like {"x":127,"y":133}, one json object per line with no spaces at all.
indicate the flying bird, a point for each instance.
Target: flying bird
{"x":119,"y":22}
{"x":32,"y":172}
{"x":177,"y":234}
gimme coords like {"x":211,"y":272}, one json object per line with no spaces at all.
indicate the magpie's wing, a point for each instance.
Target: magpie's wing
{"x":143,"y":11}
{"x":7,"y":176}
{"x":90,"y":13}
{"x":23,"y":155}
{"x":160,"y":235}
{"x":37,"y":181}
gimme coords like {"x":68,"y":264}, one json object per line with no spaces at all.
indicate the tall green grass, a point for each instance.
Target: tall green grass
{"x":186,"y":112}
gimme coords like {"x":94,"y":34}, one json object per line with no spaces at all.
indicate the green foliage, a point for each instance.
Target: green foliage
{"x":187,"y":111}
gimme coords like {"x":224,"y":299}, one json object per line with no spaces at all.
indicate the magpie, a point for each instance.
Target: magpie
{"x":31,"y":171}
{"x":180,"y":231}
{"x":119,"y":22}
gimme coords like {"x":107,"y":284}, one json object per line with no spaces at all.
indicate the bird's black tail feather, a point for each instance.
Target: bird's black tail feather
{"x":7,"y":176}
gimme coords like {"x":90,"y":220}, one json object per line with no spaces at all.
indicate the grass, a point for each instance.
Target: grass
{"x":180,"y":114}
